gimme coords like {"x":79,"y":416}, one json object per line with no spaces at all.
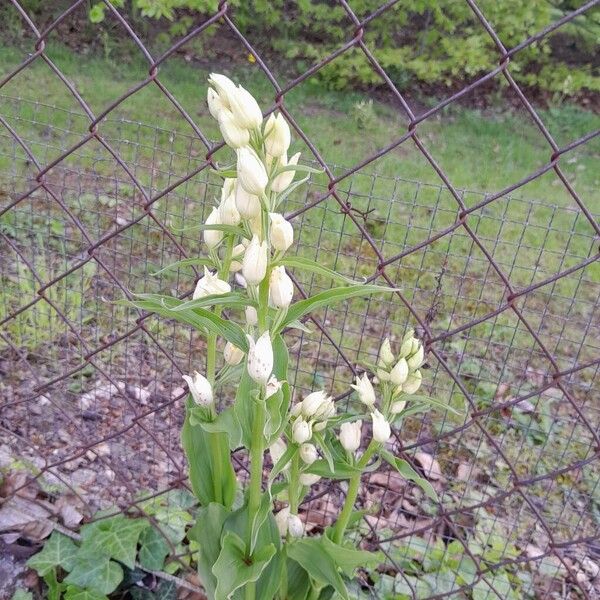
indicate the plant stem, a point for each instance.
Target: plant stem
{"x":293,"y":487}
{"x":353,"y":486}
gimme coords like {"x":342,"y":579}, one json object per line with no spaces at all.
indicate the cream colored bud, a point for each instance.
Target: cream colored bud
{"x":248,"y":205}
{"x":237,"y":253}
{"x":281,"y":288}
{"x":312,"y":403}
{"x":412,"y":383}
{"x":295,"y":526}
{"x":260,"y":358}
{"x":200,"y":389}
{"x":407,"y":343}
{"x":281,"y":520}
{"x":416,"y":360}
{"x":308,"y":453}
{"x":251,"y":172}
{"x":213,"y":237}
{"x":254,"y":265}
{"x":350,"y":435}
{"x":234,"y":135}
{"x":215,"y":104}
{"x":228,"y":211}
{"x":301,"y":431}
{"x":399,"y":373}
{"x":273,"y":386}
{"x":383,"y":375}
{"x":210,"y":285}
{"x":224,"y":87}
{"x":282,"y":232}
{"x":320,"y":426}
{"x":283,"y":180}
{"x":308,"y":479}
{"x":251,"y":316}
{"x":326,"y":410}
{"x":245,"y":109}
{"x":277,"y":449}
{"x":398,"y":406}
{"x":278,"y":136}
{"x":232,"y":354}
{"x":381,"y":428}
{"x":365,"y":390}
{"x":385,"y":353}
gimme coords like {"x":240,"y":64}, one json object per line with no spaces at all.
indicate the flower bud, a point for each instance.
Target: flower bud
{"x":210,"y":285}
{"x":237,"y":253}
{"x":228,"y":211}
{"x":232,"y":354}
{"x":301,"y":431}
{"x":260,"y":358}
{"x":350,"y":435}
{"x":308,"y":479}
{"x":283,"y":180}
{"x":399,"y":373}
{"x":224,"y":87}
{"x":382,"y":375}
{"x":213,"y":237}
{"x":320,"y":426}
{"x":200,"y":389}
{"x":278,"y":136}
{"x":251,"y":172}
{"x":281,"y":288}
{"x":365,"y":390}
{"x":273,"y":386}
{"x":277,"y":449}
{"x":416,"y":360}
{"x":245,"y":109}
{"x":326,"y":410}
{"x":385,"y":353}
{"x":381,"y":428}
{"x":282,"y":233}
{"x":398,"y":407}
{"x":234,"y":135}
{"x":254,"y":265}
{"x":407,"y":343}
{"x":281,"y":520}
{"x":312,"y":403}
{"x":215,"y":104}
{"x":308,"y":453}
{"x":251,"y":316}
{"x":412,"y":383}
{"x":248,"y":205}
{"x":295,"y":526}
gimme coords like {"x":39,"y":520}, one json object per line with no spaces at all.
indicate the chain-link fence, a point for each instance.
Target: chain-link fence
{"x":94,"y":206}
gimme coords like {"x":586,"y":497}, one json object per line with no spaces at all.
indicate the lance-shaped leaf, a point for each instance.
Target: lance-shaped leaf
{"x":307,"y":264}
{"x":228,"y":300}
{"x":303,"y":307}
{"x":349,"y":559}
{"x":409,"y":473}
{"x":229,"y":229}
{"x":186,"y":262}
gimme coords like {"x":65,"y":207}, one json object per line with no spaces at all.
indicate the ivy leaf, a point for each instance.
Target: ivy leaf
{"x":76,"y":593}
{"x":116,"y":537}
{"x":409,"y":473}
{"x":153,"y":549}
{"x":96,"y":573}
{"x":54,"y":586}
{"x":59,"y":550}
{"x":233,"y":570}
{"x":312,"y":556}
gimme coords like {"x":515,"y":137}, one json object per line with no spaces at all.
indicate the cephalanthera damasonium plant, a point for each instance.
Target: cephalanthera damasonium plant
{"x":247,"y":550}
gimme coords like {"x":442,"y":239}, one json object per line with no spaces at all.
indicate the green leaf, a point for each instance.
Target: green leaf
{"x":349,"y":559}
{"x":153,"y":549}
{"x":303,"y":307}
{"x":116,"y":537}
{"x":307,"y":264}
{"x":409,"y":473}
{"x":198,"y":318}
{"x":21,"y":594}
{"x":58,"y":551}
{"x":312,"y":556}
{"x":431,"y":401}
{"x":96,"y":13}
{"x":298,"y":581}
{"x":233,"y":569}
{"x":186,"y":262}
{"x":54,"y":587}
{"x":95,"y":572}
{"x":301,"y":168}
{"x":210,"y":482}
{"x":226,"y":422}
{"x":174,"y":305}
{"x":291,"y":188}
{"x":289,"y":453}
{"x":76,"y":593}
{"x":245,"y":406}
{"x":207,"y":532}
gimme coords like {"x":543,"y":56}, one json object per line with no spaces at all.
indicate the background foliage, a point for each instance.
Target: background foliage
{"x":425,"y":43}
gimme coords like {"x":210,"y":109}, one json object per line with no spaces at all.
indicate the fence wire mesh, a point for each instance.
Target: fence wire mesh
{"x":93,"y":206}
